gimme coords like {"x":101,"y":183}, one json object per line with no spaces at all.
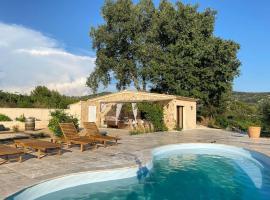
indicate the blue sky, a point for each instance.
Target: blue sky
{"x":62,"y":28}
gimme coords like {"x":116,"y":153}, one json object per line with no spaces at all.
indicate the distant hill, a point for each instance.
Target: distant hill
{"x":251,"y":97}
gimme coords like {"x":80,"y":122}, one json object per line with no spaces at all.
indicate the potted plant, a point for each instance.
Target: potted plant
{"x":254,"y":130}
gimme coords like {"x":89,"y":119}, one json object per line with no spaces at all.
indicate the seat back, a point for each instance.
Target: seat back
{"x":69,"y":130}
{"x":91,"y":128}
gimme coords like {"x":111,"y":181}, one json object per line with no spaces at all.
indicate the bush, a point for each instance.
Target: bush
{"x":59,"y":116}
{"x":135,"y":132}
{"x":177,"y":128}
{"x":265,"y":110}
{"x":243,"y":124}
{"x":238,"y":116}
{"x":236,"y":123}
{"x":4,"y":118}
{"x":15,"y":128}
{"x":21,"y":118}
{"x":222,"y":121}
{"x":154,"y":114}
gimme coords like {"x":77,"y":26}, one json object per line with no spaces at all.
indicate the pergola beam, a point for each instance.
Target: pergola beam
{"x":136,"y":101}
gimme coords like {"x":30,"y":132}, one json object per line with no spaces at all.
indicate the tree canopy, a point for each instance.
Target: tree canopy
{"x":169,"y":49}
{"x":41,"y":97}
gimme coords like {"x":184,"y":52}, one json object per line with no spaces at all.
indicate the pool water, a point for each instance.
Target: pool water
{"x":186,"y":176}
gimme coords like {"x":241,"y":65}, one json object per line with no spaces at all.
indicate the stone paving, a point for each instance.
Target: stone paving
{"x":15,"y":176}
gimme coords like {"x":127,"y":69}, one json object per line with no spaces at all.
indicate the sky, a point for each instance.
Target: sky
{"x":46,"y":42}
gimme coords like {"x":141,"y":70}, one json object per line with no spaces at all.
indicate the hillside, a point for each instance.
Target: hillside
{"x":251,"y":97}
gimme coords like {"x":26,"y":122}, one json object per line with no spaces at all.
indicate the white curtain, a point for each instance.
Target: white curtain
{"x":103,"y":107}
{"x":118,"y":110}
{"x":135,"y":111}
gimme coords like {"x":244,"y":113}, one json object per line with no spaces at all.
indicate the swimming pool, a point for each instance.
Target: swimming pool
{"x":184,"y":171}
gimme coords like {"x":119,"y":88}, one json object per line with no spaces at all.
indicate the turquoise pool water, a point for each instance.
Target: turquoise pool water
{"x":181,"y":176}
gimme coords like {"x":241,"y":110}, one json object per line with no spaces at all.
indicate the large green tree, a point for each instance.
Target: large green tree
{"x":122,"y":44}
{"x":169,"y":49}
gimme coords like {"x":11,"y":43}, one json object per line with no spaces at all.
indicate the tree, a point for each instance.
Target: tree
{"x":45,"y":98}
{"x":122,"y":44}
{"x":170,"y":49}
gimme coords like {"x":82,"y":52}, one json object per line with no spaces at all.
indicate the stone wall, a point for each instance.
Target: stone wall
{"x":41,"y":114}
{"x":169,"y":103}
{"x":189,"y":114}
{"x":21,"y":126}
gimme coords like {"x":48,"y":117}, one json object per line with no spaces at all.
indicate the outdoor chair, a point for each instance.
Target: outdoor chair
{"x":93,"y":132}
{"x":42,"y":147}
{"x":72,"y":137}
{"x":6,"y":151}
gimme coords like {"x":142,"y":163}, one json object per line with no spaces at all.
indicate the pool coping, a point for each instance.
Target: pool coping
{"x":132,"y":170}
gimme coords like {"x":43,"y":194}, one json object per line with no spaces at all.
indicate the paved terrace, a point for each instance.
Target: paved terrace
{"x":15,"y":176}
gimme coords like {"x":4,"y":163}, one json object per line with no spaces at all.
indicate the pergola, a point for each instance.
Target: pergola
{"x":176,"y":109}
{"x":119,"y":104}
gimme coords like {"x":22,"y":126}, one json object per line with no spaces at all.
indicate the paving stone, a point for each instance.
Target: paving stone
{"x":16,"y":176}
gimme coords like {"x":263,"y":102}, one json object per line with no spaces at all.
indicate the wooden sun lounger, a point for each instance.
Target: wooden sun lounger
{"x":6,"y":151}
{"x":93,"y":132}
{"x":72,"y":137}
{"x":42,"y":147}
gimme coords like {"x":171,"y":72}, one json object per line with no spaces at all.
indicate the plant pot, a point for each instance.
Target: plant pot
{"x":254,"y":131}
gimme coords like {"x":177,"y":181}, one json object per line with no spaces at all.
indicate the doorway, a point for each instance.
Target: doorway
{"x":179,"y":117}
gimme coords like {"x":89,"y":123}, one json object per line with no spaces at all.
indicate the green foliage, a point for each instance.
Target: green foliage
{"x":59,"y":116}
{"x":122,"y":44}
{"x":4,"y":118}
{"x":126,"y":110}
{"x":170,"y":49}
{"x":239,"y":115}
{"x":252,"y":97}
{"x":14,"y":100}
{"x":178,"y":128}
{"x":222,"y":121}
{"x":136,"y":132}
{"x":265,"y":110}
{"x":244,"y":110}
{"x":41,"y":97}
{"x":153,"y":113}
{"x":21,"y":118}
{"x":15,"y":128}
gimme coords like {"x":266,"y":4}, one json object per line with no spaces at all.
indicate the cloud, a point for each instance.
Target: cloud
{"x":29,"y":58}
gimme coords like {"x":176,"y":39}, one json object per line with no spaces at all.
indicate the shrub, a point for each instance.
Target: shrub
{"x":265,"y":110}
{"x":243,"y":124}
{"x":177,"y":128}
{"x":222,"y":121}
{"x":59,"y":116}
{"x":135,"y":132}
{"x":15,"y":128}
{"x":238,"y":116}
{"x":154,"y":114}
{"x":21,"y":118}
{"x":4,"y":118}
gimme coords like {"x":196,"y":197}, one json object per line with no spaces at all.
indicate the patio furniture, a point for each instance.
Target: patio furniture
{"x":111,"y":121}
{"x":7,"y":151}
{"x":42,"y":147}
{"x":72,"y":137}
{"x":93,"y":132}
{"x":2,"y":127}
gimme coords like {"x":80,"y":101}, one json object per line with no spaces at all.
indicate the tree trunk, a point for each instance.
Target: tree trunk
{"x":136,"y":83}
{"x":144,"y":84}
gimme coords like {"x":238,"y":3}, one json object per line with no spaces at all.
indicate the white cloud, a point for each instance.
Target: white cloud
{"x":29,"y":58}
